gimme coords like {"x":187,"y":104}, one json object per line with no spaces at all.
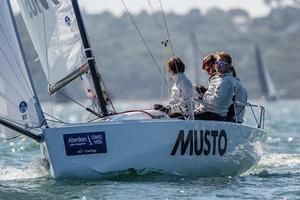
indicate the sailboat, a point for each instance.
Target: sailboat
{"x":267,"y":86}
{"x":113,"y":142}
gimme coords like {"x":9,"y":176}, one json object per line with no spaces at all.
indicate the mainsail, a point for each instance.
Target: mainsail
{"x":266,"y":83}
{"x":54,"y":32}
{"x":18,"y":101}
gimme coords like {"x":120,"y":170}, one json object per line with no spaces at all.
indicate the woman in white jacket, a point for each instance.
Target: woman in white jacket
{"x":218,"y":97}
{"x":180,"y":104}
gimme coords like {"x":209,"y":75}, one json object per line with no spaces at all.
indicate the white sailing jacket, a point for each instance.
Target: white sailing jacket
{"x":219,"y":94}
{"x":240,"y":96}
{"x":181,"y":95}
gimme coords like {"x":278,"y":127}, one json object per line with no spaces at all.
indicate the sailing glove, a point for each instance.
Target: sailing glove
{"x":166,"y":109}
{"x":201,"y":89}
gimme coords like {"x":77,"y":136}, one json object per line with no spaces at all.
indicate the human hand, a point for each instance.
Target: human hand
{"x":166,"y":109}
{"x":201,"y":89}
{"x":157,"y":106}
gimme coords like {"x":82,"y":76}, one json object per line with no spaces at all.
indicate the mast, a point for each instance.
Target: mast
{"x":90,"y":58}
{"x":40,"y":113}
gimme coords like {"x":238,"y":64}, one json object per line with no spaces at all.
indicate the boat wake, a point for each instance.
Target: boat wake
{"x":277,"y":164}
{"x":36,"y":169}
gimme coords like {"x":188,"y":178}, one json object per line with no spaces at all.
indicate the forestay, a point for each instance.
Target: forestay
{"x":18,"y":102}
{"x":54,"y":32}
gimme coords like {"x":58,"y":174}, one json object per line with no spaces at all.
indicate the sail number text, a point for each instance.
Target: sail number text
{"x":34,"y":7}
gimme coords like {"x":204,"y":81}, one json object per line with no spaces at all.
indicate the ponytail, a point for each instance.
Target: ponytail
{"x":233,"y":72}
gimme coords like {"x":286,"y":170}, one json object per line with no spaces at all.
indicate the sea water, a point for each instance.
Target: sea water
{"x":277,"y":175}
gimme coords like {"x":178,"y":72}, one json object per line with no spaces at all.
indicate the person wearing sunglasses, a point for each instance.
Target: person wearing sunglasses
{"x":235,"y":112}
{"x":180,"y":104}
{"x":217,"y":99}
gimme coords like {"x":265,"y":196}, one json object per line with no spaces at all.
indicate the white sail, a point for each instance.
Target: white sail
{"x":18,"y":102}
{"x":54,"y":32}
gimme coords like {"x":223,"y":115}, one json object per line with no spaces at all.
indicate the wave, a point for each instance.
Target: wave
{"x":36,"y":169}
{"x":272,"y":165}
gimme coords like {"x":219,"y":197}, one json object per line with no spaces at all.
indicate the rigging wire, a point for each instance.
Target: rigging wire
{"x":254,"y":115}
{"x":87,"y":87}
{"x":144,"y":41}
{"x":76,"y":102}
{"x":71,"y":99}
{"x":166,"y":26}
{"x":57,"y":120}
{"x":168,"y":32}
{"x":94,"y":103}
{"x":105,"y":89}
{"x":11,"y":138}
{"x":166,"y":39}
{"x":156,"y":20}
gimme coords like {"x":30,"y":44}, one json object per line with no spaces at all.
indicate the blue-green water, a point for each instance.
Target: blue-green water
{"x":277,"y":176}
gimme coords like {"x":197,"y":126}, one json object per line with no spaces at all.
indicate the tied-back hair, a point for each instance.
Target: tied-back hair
{"x":176,"y":65}
{"x":233,"y":72}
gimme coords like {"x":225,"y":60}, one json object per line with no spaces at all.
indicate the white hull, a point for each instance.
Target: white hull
{"x":228,"y":149}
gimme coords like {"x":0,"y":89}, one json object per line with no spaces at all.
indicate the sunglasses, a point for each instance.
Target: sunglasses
{"x":221,"y":63}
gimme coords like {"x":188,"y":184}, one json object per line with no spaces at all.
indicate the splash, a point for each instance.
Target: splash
{"x":280,"y":160}
{"x":37,"y":168}
{"x":274,"y":164}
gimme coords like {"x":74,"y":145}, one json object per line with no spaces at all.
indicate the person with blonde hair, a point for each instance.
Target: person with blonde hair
{"x":180,"y":104}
